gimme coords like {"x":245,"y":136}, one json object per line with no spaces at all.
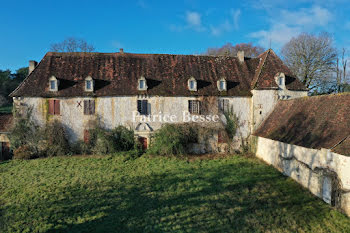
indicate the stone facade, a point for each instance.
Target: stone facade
{"x":115,"y":111}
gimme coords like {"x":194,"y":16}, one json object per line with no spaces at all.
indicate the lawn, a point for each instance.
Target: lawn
{"x":113,"y":194}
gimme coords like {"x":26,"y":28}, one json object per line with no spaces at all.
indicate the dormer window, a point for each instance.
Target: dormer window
{"x":142,"y":84}
{"x":89,"y":84}
{"x":53,"y":84}
{"x":222,"y":84}
{"x":281,"y":80}
{"x":192,"y":84}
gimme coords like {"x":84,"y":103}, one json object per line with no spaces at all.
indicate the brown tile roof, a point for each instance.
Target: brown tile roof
{"x":166,"y":75}
{"x":343,"y":147}
{"x":5,"y":122}
{"x":314,"y":122}
{"x":270,"y":64}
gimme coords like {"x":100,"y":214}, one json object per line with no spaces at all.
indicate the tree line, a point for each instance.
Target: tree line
{"x":9,"y":81}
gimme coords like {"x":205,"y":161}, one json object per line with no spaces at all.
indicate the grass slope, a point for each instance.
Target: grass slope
{"x":108,"y":194}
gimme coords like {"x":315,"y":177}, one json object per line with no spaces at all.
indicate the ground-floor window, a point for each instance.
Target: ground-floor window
{"x":89,"y":107}
{"x":194,"y":106}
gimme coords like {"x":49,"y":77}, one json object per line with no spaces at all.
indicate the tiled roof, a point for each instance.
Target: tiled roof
{"x":166,"y":75}
{"x":270,"y":64}
{"x":314,"y":122}
{"x":5,"y":122}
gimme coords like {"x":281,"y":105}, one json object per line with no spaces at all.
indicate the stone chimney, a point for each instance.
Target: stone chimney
{"x":32,"y":65}
{"x":121,"y":51}
{"x":240,"y":55}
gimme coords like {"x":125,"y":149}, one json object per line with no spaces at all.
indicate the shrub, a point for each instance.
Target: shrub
{"x":55,"y":140}
{"x":172,"y":139}
{"x":24,"y":131}
{"x":124,"y":138}
{"x":231,"y":124}
{"x":103,"y":141}
{"x":24,"y":152}
{"x":80,"y":147}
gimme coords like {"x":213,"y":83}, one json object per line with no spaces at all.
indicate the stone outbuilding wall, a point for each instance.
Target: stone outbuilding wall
{"x":326,"y":174}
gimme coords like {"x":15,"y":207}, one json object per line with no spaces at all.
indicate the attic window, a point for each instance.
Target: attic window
{"x":53,"y":84}
{"x":281,"y":79}
{"x":222,"y":85}
{"x":192,"y":84}
{"x":142,"y":84}
{"x":89,"y":84}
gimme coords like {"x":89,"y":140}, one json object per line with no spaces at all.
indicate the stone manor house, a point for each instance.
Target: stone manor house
{"x":75,"y":88}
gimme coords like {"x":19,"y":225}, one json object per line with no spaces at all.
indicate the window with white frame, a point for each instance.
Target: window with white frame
{"x":142,"y":84}
{"x":192,"y":84}
{"x":53,"y":84}
{"x":222,"y":84}
{"x":281,"y":79}
{"x":89,"y":84}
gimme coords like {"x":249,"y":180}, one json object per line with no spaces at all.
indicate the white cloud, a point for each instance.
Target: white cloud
{"x":193,"y":20}
{"x":236,"y":14}
{"x":228,"y":24}
{"x":221,"y":28}
{"x":278,"y":35}
{"x":307,"y":17}
{"x":285,"y":24}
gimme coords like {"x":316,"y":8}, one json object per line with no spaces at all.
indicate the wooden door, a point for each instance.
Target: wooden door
{"x":5,"y":150}
{"x":143,"y":142}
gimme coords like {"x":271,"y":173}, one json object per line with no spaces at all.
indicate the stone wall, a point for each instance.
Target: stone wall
{"x":264,"y":101}
{"x":114,"y":111}
{"x":324,"y":173}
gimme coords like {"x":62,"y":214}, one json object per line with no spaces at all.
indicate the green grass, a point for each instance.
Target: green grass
{"x":6,"y":109}
{"x":112,"y":194}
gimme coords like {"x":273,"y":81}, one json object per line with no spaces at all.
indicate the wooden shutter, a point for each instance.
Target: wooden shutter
{"x":139,"y":106}
{"x":144,"y":107}
{"x":224,"y":105}
{"x":92,"y":107}
{"x":199,"y":107}
{"x":220,"y":105}
{"x":57,"y":107}
{"x":190,"y":106}
{"x":86,"y":107}
{"x":51,"y":107}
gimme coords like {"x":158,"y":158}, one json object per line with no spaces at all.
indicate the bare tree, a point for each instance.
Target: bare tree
{"x":72,"y":44}
{"x":341,"y":71}
{"x":229,"y":50}
{"x":311,"y":58}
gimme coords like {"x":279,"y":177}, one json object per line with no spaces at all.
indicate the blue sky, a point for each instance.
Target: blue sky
{"x":27,"y":28}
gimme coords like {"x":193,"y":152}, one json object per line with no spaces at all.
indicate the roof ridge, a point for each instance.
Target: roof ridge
{"x":137,"y":54}
{"x":255,"y":80}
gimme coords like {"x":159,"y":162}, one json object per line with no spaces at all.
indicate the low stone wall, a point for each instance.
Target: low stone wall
{"x":324,"y":173}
